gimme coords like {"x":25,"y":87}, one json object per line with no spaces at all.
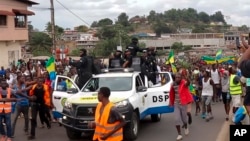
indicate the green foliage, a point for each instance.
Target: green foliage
{"x":173,"y":19}
{"x":178,"y":47}
{"x":82,"y":28}
{"x":75,"y":52}
{"x":217,"y":17}
{"x":40,"y":43}
{"x":161,"y":53}
{"x":94,"y":24}
{"x":123,"y":19}
{"x":58,"y":30}
{"x":204,"y":17}
{"x":104,"y":22}
{"x":110,"y":38}
{"x":244,"y":28}
{"x":142,"y":45}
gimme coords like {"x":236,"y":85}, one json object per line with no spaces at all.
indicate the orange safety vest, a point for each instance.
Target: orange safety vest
{"x":102,"y":125}
{"x":6,"y":106}
{"x":46,"y":94}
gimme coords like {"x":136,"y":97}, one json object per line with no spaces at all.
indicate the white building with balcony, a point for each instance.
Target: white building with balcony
{"x":87,"y":41}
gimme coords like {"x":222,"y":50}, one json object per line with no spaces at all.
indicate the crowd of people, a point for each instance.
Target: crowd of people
{"x":26,"y":88}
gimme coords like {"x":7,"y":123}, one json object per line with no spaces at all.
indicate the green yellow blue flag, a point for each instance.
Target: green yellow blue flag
{"x":51,"y":68}
{"x":170,"y":59}
{"x":218,"y":54}
{"x":192,"y":90}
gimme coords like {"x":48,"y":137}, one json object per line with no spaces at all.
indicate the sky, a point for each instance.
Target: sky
{"x":237,"y":12}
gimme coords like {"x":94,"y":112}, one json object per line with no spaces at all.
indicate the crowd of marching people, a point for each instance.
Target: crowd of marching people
{"x":26,"y":89}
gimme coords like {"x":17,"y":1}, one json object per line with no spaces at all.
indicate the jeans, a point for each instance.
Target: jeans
{"x":35,"y":108}
{"x":25,"y":111}
{"x":7,"y":118}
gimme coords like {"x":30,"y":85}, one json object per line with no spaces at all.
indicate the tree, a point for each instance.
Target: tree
{"x":217,"y":17}
{"x":105,"y":22}
{"x":82,"y":28}
{"x":152,"y":16}
{"x":243,"y":28}
{"x":123,"y":19}
{"x":204,"y":17}
{"x":94,"y":24}
{"x":40,"y":44}
{"x":58,"y":30}
{"x":75,"y":52}
{"x":178,"y":47}
{"x":110,"y":38}
{"x":160,"y":27}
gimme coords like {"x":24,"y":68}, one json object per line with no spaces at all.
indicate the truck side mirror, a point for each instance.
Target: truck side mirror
{"x":141,"y":89}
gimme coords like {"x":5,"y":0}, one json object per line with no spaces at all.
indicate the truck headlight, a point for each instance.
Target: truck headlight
{"x":68,"y":105}
{"x":121,"y":104}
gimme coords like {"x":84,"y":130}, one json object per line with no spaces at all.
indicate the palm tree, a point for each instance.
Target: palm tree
{"x":40,"y":44}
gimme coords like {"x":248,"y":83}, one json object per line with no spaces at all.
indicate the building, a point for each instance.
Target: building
{"x":87,"y":41}
{"x":13,"y":29}
{"x":195,"y":40}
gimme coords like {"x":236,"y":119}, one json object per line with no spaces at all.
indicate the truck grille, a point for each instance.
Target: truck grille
{"x":85,"y":111}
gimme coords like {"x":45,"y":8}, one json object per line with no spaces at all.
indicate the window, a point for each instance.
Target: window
{"x":3,"y":20}
{"x":113,"y":83}
{"x":138,"y":82}
{"x":162,"y":79}
{"x":20,"y":21}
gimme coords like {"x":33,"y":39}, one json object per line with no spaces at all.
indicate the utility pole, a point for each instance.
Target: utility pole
{"x":53,"y":26}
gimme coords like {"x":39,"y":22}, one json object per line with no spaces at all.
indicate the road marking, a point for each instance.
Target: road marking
{"x":224,"y":132}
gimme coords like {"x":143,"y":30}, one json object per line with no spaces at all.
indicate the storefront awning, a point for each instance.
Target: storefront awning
{"x":8,"y":13}
{"x":23,"y":12}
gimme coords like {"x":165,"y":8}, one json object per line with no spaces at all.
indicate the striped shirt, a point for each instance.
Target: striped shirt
{"x":177,"y":95}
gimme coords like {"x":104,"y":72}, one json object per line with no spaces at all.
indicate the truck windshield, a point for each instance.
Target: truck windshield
{"x":113,"y":83}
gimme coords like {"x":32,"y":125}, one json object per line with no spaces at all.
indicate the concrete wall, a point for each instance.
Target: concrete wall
{"x":10,"y":53}
{"x":216,"y":42}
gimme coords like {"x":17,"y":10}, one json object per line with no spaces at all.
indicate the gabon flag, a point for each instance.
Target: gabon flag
{"x":170,"y":59}
{"x":218,"y":54}
{"x":51,"y":68}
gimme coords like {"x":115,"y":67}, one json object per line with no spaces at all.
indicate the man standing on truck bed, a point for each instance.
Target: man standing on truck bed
{"x":108,"y":121}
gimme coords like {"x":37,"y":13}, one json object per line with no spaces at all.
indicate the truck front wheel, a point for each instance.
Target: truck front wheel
{"x":72,"y":134}
{"x":130,"y":131}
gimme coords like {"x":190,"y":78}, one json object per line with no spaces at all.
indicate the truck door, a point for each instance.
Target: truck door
{"x":63,"y":87}
{"x":157,"y":99}
{"x":141,"y":100}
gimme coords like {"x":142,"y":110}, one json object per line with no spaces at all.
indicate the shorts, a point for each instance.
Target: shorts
{"x":236,"y":100}
{"x":224,"y":98}
{"x":207,"y":100}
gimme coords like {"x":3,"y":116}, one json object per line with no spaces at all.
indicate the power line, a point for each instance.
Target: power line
{"x":72,"y":13}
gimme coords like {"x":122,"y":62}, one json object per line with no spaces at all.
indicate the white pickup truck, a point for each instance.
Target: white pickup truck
{"x":134,"y":99}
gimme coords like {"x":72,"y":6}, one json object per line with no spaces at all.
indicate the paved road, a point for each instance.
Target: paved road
{"x":164,"y":130}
